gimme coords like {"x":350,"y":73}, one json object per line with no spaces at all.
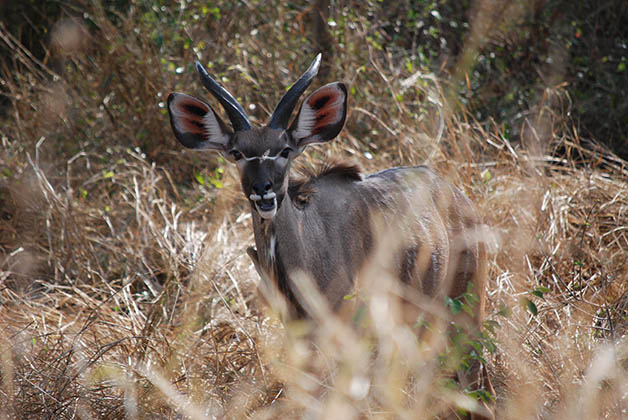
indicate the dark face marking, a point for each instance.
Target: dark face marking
{"x":263,"y":167}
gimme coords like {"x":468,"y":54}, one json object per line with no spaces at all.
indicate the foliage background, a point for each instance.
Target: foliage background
{"x":124,"y":288}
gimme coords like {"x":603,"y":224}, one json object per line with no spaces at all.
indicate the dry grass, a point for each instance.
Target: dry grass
{"x":125,"y":291}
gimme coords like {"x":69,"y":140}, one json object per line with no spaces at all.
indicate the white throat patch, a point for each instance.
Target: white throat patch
{"x":272,"y":247}
{"x":265,"y":214}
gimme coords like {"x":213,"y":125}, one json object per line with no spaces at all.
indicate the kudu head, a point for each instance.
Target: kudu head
{"x":262,"y":154}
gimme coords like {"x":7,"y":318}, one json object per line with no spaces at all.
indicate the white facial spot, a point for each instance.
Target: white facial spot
{"x":263,"y":157}
{"x":267,"y":196}
{"x":272,"y":246}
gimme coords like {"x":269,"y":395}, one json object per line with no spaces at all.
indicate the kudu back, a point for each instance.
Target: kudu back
{"x":330,"y":228}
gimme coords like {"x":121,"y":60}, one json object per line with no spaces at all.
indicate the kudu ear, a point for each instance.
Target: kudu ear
{"x":322,"y":115}
{"x":195,"y":124}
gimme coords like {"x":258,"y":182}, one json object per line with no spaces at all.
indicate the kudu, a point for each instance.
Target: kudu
{"x":330,"y":226}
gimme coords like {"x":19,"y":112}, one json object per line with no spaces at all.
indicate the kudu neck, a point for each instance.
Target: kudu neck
{"x":272,"y":234}
{"x":284,"y":216}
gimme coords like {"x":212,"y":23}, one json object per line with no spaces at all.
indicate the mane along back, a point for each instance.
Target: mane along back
{"x":303,"y":187}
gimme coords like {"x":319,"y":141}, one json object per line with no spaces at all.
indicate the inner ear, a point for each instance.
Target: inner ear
{"x":322,"y":115}
{"x":195,"y":124}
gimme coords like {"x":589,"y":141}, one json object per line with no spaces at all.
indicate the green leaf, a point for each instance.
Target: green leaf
{"x":531,"y":307}
{"x":621,"y":67}
{"x":454,"y":305}
{"x":215,"y":11}
{"x":490,"y":346}
{"x":481,"y":394}
{"x":360,"y":315}
{"x":490,"y":325}
{"x":107,"y":174}
{"x":540,"y":292}
{"x":199,"y":178}
{"x":471,"y":299}
{"x":215,"y":182}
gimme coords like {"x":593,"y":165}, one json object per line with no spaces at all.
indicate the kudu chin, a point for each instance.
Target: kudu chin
{"x":338,"y":227}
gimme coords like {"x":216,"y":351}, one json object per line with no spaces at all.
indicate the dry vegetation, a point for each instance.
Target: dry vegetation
{"x":125,"y":291}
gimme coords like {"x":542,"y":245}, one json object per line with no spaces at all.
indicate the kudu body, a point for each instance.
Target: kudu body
{"x":415,"y":226}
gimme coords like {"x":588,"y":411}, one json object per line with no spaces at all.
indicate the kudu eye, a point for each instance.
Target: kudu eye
{"x":236,"y":154}
{"x":285,"y":153}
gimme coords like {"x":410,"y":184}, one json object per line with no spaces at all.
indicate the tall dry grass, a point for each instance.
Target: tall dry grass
{"x":125,"y":291}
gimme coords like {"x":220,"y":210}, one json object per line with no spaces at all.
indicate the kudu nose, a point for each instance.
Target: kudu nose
{"x":262,"y":188}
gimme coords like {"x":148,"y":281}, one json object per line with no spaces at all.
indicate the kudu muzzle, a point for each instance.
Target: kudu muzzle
{"x":265,"y":199}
